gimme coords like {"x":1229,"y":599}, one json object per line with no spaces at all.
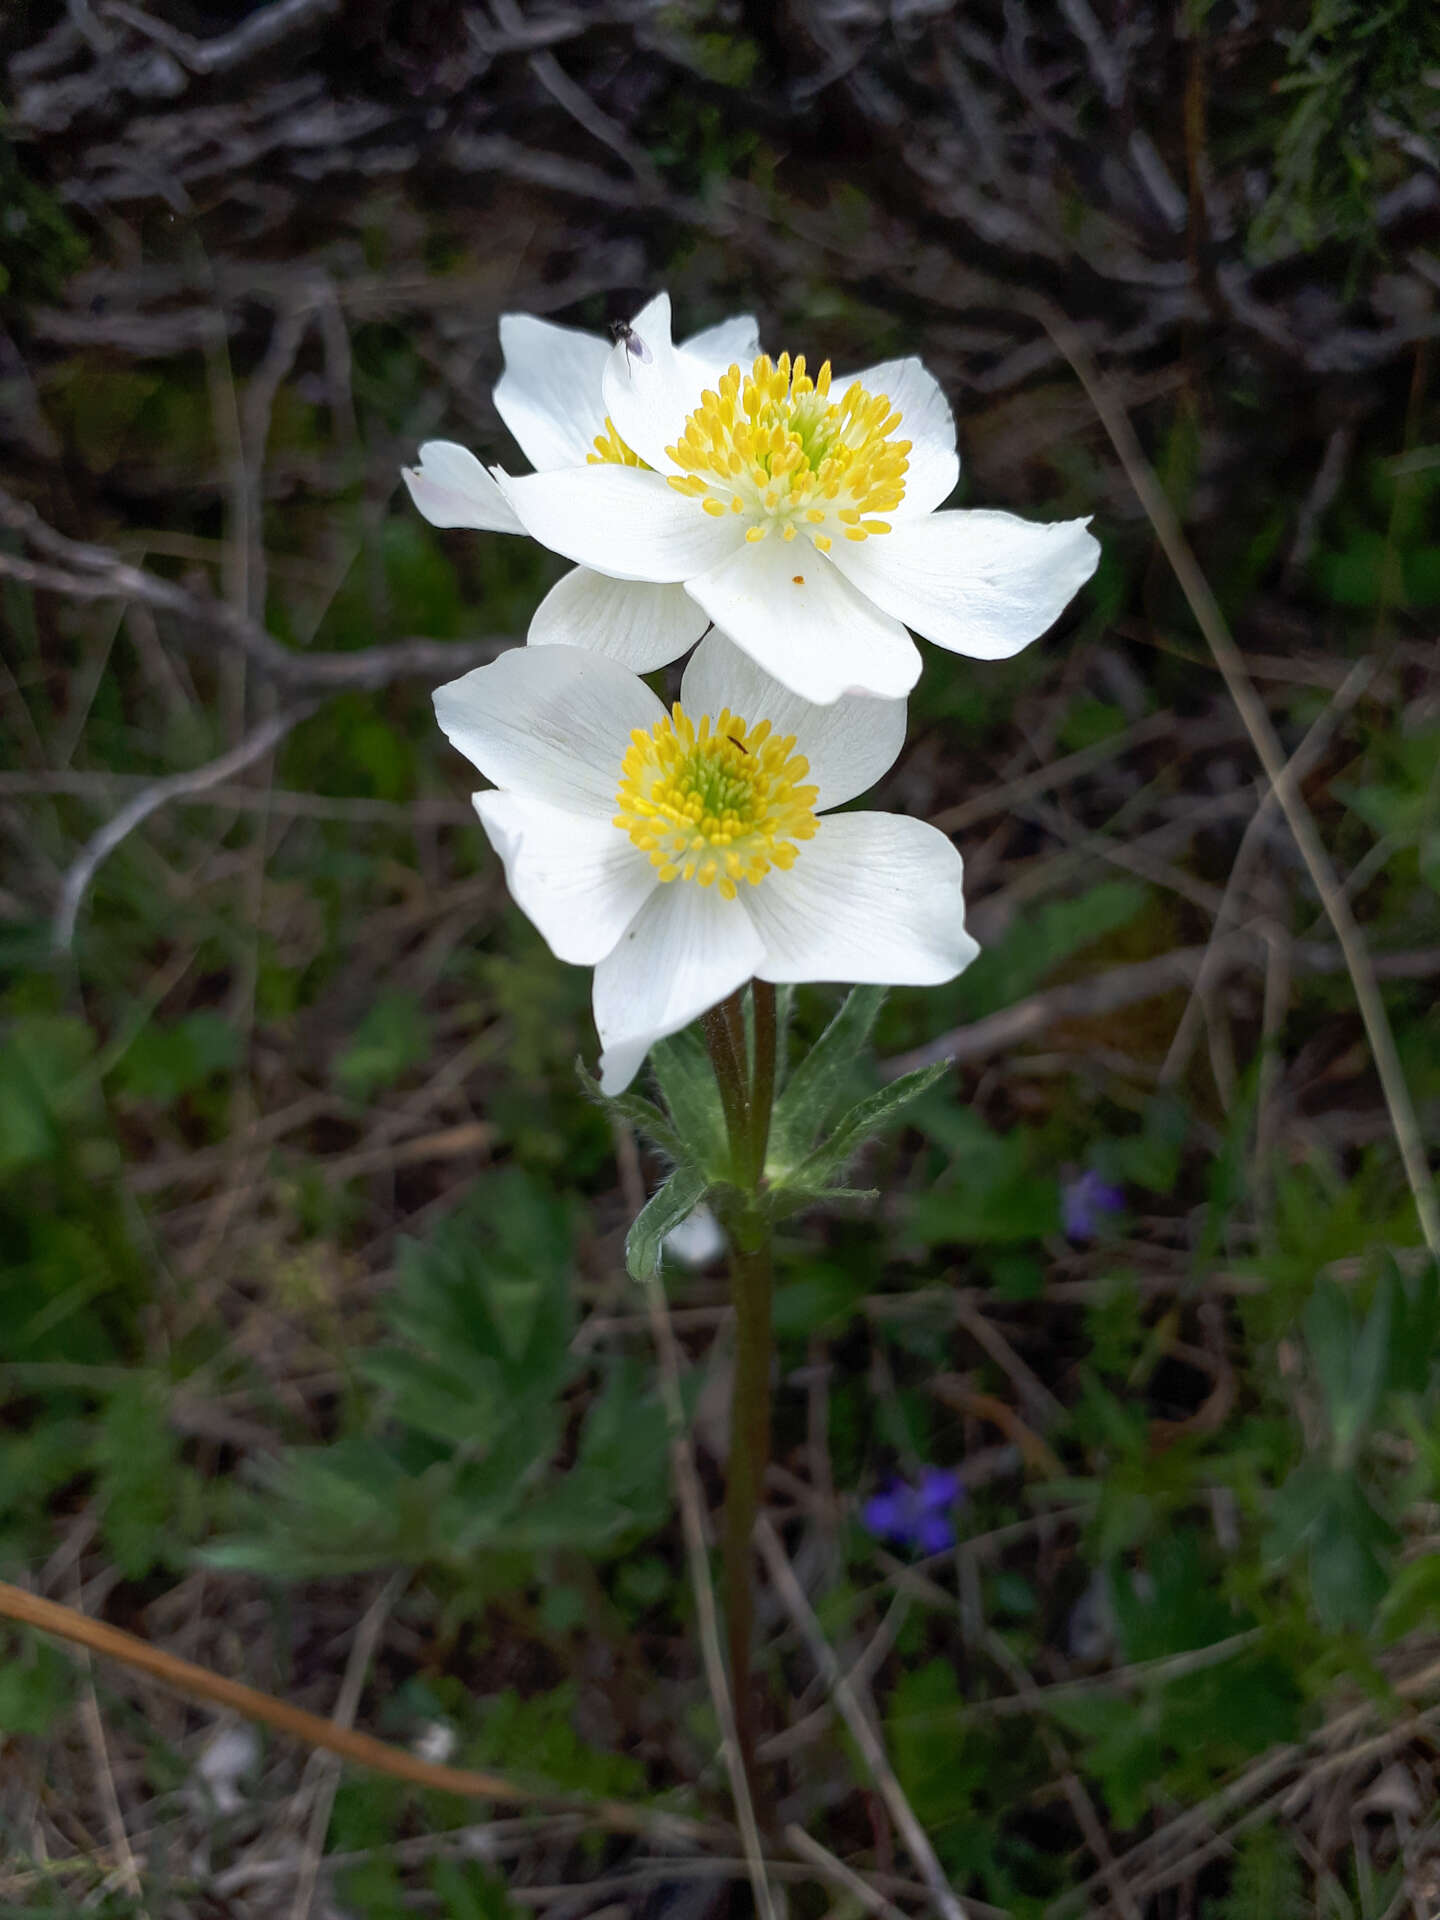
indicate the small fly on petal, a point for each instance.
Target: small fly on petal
{"x":623,"y":334}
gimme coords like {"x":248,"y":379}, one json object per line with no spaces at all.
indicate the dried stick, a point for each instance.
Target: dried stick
{"x":362,"y":1748}
{"x":687,"y":1486}
{"x":1123,"y":986}
{"x":347,"y":1705}
{"x":856,"y":1718}
{"x":692,"y":1512}
{"x":86,"y":572}
{"x":1296,"y":768}
{"x":836,"y":1871}
{"x":1211,"y":622}
{"x":101,"y":845}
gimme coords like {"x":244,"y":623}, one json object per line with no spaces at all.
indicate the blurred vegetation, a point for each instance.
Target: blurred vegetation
{"x":311,"y":1257}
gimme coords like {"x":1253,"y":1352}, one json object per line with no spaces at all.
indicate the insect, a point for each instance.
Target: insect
{"x":623,"y":334}
{"x":738,"y":743}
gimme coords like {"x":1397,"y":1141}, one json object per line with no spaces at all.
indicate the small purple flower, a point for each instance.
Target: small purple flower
{"x":1084,"y":1203}
{"x":916,"y":1516}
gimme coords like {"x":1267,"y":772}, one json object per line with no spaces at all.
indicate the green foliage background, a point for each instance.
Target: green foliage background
{"x":312,"y":1248}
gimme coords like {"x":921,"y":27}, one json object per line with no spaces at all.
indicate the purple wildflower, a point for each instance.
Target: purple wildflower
{"x":1084,"y":1203}
{"x":916,"y":1516}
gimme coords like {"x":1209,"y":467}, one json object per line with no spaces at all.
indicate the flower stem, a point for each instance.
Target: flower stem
{"x":732,"y":1080}
{"x":763,"y":1093}
{"x":747,"y":1096}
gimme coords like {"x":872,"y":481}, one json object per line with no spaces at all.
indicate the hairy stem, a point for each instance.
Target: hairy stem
{"x":747,"y":1097}
{"x":762,"y":1097}
{"x":732,"y":1079}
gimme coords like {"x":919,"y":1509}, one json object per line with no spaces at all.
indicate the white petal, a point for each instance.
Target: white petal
{"x":452,"y":489}
{"x":653,"y":323}
{"x":790,"y":610}
{"x":981,"y":583}
{"x":849,"y":744}
{"x":650,"y":399}
{"x":621,"y":521}
{"x":580,"y":879}
{"x":873,"y":898}
{"x":685,"y":950}
{"x":549,"y":394}
{"x":641,"y":625}
{"x":732,"y":343}
{"x":926,"y":422}
{"x":552,"y":723}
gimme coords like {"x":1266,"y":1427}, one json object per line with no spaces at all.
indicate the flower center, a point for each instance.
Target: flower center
{"x":775,"y":446}
{"x":717,"y":803}
{"x":611,"y":450}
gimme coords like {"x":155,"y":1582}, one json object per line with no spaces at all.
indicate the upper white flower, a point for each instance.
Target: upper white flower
{"x":683,"y":852}
{"x":551,"y":398}
{"x":798,"y":512}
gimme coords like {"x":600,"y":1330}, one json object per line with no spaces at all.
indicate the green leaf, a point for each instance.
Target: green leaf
{"x":1413,"y":1599}
{"x":1041,"y":938}
{"x":824,"y":1300}
{"x":46,"y":1087}
{"x":394,"y":1036}
{"x":818,"y":1084}
{"x":35,"y":1687}
{"x":138,"y":1477}
{"x":675,"y":1201}
{"x":1353,"y":1362}
{"x":866,"y":1118}
{"x":617,"y":1485}
{"x":634,"y":1107}
{"x":1415,"y":1324}
{"x":484,"y":1312}
{"x":781,"y":1203}
{"x":990,"y":1193}
{"x":333,"y":1510}
{"x":1266,"y":1882}
{"x":1330,"y":1337}
{"x":163,"y":1063}
{"x":682,"y":1067}
{"x":467,"y":1891}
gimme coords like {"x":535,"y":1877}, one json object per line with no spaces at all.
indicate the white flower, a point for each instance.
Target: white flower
{"x":793,"y":513}
{"x":550,"y":398}
{"x":681,"y":853}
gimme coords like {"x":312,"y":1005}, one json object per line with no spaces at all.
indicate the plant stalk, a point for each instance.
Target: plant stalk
{"x":747,"y":1094}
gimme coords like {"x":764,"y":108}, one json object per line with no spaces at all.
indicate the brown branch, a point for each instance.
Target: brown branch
{"x":140,"y":806}
{"x":1124,"y":986}
{"x":183,"y":1676}
{"x":89,"y":572}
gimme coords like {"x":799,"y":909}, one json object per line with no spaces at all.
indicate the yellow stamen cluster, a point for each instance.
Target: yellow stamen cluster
{"x":775,"y":446}
{"x":611,"y":450}
{"x":718,"y":803}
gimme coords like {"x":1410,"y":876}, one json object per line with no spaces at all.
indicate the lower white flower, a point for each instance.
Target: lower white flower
{"x":683,"y":852}
{"x":551,"y":397}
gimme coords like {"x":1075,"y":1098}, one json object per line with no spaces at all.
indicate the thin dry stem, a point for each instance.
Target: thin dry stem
{"x":200,"y":1684}
{"x":1211,"y":622}
{"x":856,"y":1718}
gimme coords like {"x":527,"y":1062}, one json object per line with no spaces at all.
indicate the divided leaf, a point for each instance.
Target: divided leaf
{"x":818,"y":1084}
